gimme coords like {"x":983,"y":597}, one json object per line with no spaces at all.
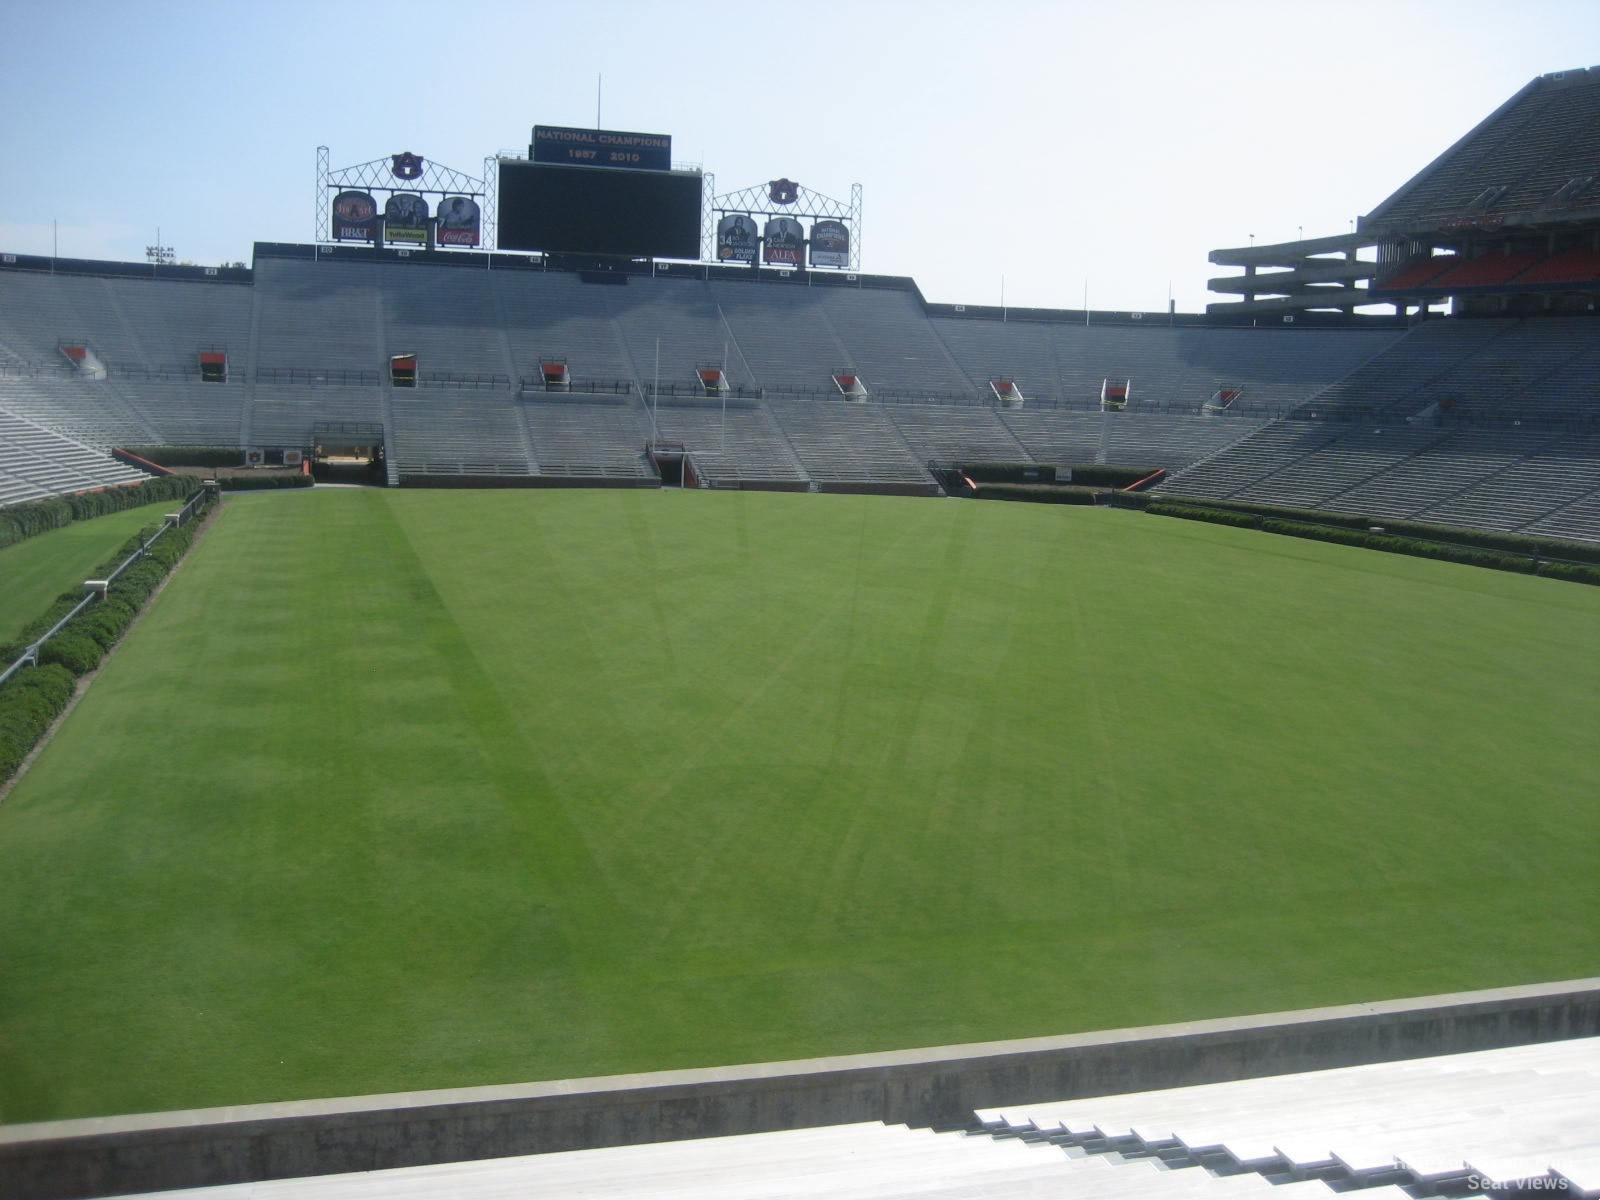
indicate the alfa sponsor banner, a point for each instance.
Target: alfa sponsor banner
{"x":572,"y":147}
{"x":785,"y":242}
{"x":736,"y":239}
{"x":459,"y":222}
{"x":355,"y":217}
{"x":830,"y":244}
{"x":405,"y":219}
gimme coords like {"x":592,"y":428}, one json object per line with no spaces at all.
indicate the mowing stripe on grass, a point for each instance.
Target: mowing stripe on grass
{"x":417,"y":789}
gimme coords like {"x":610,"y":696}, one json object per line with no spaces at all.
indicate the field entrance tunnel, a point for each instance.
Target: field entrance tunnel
{"x":349,"y":452}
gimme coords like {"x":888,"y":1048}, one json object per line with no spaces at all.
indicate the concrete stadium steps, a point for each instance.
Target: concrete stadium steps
{"x":554,"y":314}
{"x":747,"y":447}
{"x":1172,"y":442}
{"x":841,"y":1162}
{"x":129,"y":323}
{"x":841,"y":442}
{"x":891,"y":342}
{"x":1173,"y":368}
{"x":1277,"y":367}
{"x":174,"y":321}
{"x":1394,"y":384}
{"x":186,"y":412}
{"x":1340,"y":465}
{"x":1251,"y":463}
{"x":1526,"y":1111}
{"x":1539,"y":369}
{"x":1561,"y":472}
{"x":36,"y":462}
{"x":782,"y":334}
{"x":458,"y":432}
{"x":1056,"y":436}
{"x":90,"y":411}
{"x":1546,"y":135}
{"x":682,"y":314}
{"x":600,"y":438}
{"x":447,"y":317}
{"x":286,"y":414}
{"x":319,"y":315}
{"x":950,"y":434}
{"x":988,"y":349}
{"x":1452,"y":465}
{"x":1579,"y":519}
{"x":37,"y":315}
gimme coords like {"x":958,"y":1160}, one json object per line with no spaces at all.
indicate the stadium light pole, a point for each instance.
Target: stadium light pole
{"x":724,"y":400}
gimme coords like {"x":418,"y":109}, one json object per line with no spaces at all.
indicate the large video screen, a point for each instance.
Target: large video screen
{"x":595,"y":210}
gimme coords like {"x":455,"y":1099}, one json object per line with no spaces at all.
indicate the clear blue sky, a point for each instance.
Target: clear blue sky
{"x":1048,"y":143}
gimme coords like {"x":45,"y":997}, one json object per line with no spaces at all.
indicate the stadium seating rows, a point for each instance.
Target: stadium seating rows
{"x":308,"y":343}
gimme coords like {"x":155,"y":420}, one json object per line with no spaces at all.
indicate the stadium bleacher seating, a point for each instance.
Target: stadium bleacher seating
{"x":36,"y":463}
{"x":1375,"y":411}
{"x":1516,"y":160}
{"x":1569,"y":266}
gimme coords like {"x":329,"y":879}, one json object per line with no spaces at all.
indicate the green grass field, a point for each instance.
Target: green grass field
{"x":399,"y":790}
{"x":35,"y":572}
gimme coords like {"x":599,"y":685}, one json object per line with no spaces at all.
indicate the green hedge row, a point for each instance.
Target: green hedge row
{"x":1511,"y":543}
{"x":33,"y":697}
{"x":1524,"y":563}
{"x":258,"y":480}
{"x":1090,"y":475}
{"x":29,"y":702}
{"x":1038,"y":493}
{"x":23,"y":521}
{"x":1009,"y":472}
{"x":189,"y":456}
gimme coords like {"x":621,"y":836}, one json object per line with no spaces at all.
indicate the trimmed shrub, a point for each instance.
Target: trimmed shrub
{"x":1388,"y":541}
{"x":1574,"y":572}
{"x":1195,"y":512}
{"x":1097,"y":475}
{"x":189,"y":456}
{"x":1010,"y":472}
{"x":1511,"y":543}
{"x":75,"y":651}
{"x":262,"y":480}
{"x":29,"y":701}
{"x":22,"y":521}
{"x":36,"y":695}
{"x":1037,"y":493}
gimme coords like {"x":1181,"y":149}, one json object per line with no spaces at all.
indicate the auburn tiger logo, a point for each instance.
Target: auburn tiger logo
{"x":783,"y":191}
{"x":407,"y":166}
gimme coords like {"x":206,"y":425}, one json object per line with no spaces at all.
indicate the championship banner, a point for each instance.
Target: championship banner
{"x":736,"y":239}
{"x":459,"y":222}
{"x":785,"y":242}
{"x":405,"y":219}
{"x":830,"y":244}
{"x":567,"y":146}
{"x":355,"y":216}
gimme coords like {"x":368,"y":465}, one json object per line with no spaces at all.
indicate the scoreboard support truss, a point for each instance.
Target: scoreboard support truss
{"x":758,"y":201}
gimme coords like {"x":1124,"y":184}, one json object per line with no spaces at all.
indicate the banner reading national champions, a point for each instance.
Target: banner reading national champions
{"x":571,"y":147}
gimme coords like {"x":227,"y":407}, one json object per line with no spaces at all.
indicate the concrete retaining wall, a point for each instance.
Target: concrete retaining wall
{"x":936,"y":1087}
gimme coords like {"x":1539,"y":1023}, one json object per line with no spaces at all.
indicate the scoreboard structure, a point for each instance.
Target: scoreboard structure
{"x":606,"y":192}
{"x":600,"y":193}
